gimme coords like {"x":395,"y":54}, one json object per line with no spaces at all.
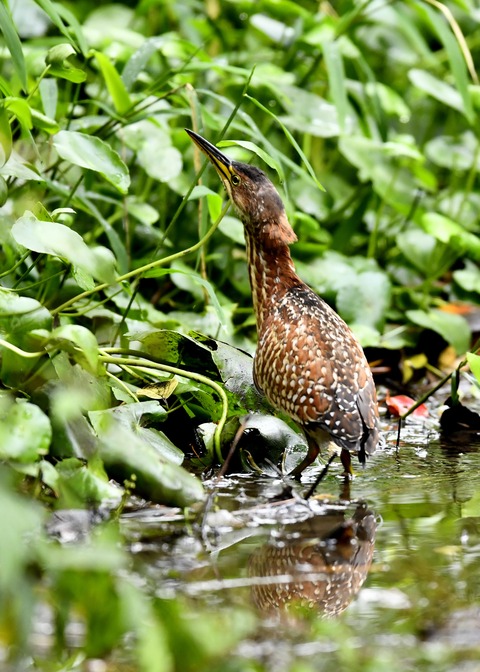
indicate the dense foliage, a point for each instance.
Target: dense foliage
{"x":122,"y":278}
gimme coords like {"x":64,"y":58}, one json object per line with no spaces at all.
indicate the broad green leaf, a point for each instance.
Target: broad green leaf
{"x":125,"y":453}
{"x":452,"y":234}
{"x":453,"y":328}
{"x":365,"y":300}
{"x":454,"y":152}
{"x":468,"y":278}
{"x":21,"y":109}
{"x":25,"y":430}
{"x":474,"y":363}
{"x":153,"y":146}
{"x":16,"y":166}
{"x":140,"y":58}
{"x":60,"y":241}
{"x":92,"y":153}
{"x":5,"y":137}
{"x":436,"y":88}
{"x":13,"y":43}
{"x":115,"y":85}
{"x":131,"y":416}
{"x":428,"y":254}
{"x":85,"y":346}
{"x":58,"y":54}
{"x":22,"y":313}
{"x":77,"y":484}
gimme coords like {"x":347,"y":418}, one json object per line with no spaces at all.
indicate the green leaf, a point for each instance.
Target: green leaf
{"x":455,"y":56}
{"x":252,"y":147}
{"x":429,"y":255}
{"x":126,"y":453}
{"x":365,"y":300}
{"x":77,"y":484}
{"x":60,"y":241}
{"x":5,"y":137}
{"x":131,"y":416}
{"x":25,"y":430}
{"x":114,"y":82}
{"x":474,"y":363}
{"x":436,"y":88}
{"x":336,"y":80}
{"x":13,"y":43}
{"x":452,"y":234}
{"x":55,"y":16}
{"x":153,"y":146}
{"x":94,"y":154}
{"x":453,"y":328}
{"x":290,"y":138}
{"x":57,"y":58}
{"x":85,"y":346}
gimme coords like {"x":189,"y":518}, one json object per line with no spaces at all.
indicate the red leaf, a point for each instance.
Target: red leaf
{"x":400,"y":403}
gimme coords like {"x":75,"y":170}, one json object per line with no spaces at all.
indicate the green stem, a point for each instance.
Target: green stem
{"x":153,"y":363}
{"x":144,"y":269}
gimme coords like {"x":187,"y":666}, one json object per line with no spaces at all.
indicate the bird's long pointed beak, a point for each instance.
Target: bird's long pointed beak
{"x":220,"y":161}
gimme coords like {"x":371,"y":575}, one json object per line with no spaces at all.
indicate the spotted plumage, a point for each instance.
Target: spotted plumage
{"x":308,"y":363}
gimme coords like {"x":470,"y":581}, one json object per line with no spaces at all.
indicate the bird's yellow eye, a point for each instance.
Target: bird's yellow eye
{"x":235,"y":180}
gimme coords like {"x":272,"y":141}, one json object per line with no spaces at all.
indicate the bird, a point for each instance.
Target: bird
{"x":308,"y":363}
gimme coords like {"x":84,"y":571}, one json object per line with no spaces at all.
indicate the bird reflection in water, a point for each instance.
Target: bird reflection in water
{"x":319,"y":564}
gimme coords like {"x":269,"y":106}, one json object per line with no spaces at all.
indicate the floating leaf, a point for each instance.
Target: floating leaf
{"x":92,"y":153}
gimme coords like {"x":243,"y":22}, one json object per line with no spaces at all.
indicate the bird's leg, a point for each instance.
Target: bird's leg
{"x":308,"y":493}
{"x":346,"y":460}
{"x":313,"y":450}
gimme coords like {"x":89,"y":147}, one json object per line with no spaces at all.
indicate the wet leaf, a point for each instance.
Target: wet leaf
{"x":77,"y":484}
{"x":94,"y":154}
{"x":132,"y":417}
{"x":400,"y":404}
{"x":125,"y":453}
{"x":25,"y":430}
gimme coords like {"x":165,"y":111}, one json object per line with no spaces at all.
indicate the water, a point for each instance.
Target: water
{"x":385,"y":576}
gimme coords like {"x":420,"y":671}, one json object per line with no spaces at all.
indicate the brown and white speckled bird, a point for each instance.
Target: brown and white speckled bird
{"x":308,"y":363}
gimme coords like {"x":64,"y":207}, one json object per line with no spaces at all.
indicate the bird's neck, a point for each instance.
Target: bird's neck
{"x":272,"y":274}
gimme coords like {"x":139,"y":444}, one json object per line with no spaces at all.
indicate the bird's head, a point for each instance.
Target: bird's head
{"x":253,"y":195}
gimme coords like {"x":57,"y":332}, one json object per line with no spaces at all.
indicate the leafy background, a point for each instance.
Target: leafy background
{"x":124,"y":291}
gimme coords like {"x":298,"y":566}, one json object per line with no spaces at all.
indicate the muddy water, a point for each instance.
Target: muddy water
{"x":384,"y":577}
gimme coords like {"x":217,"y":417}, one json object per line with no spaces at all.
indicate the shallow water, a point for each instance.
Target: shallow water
{"x":385,"y":576}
